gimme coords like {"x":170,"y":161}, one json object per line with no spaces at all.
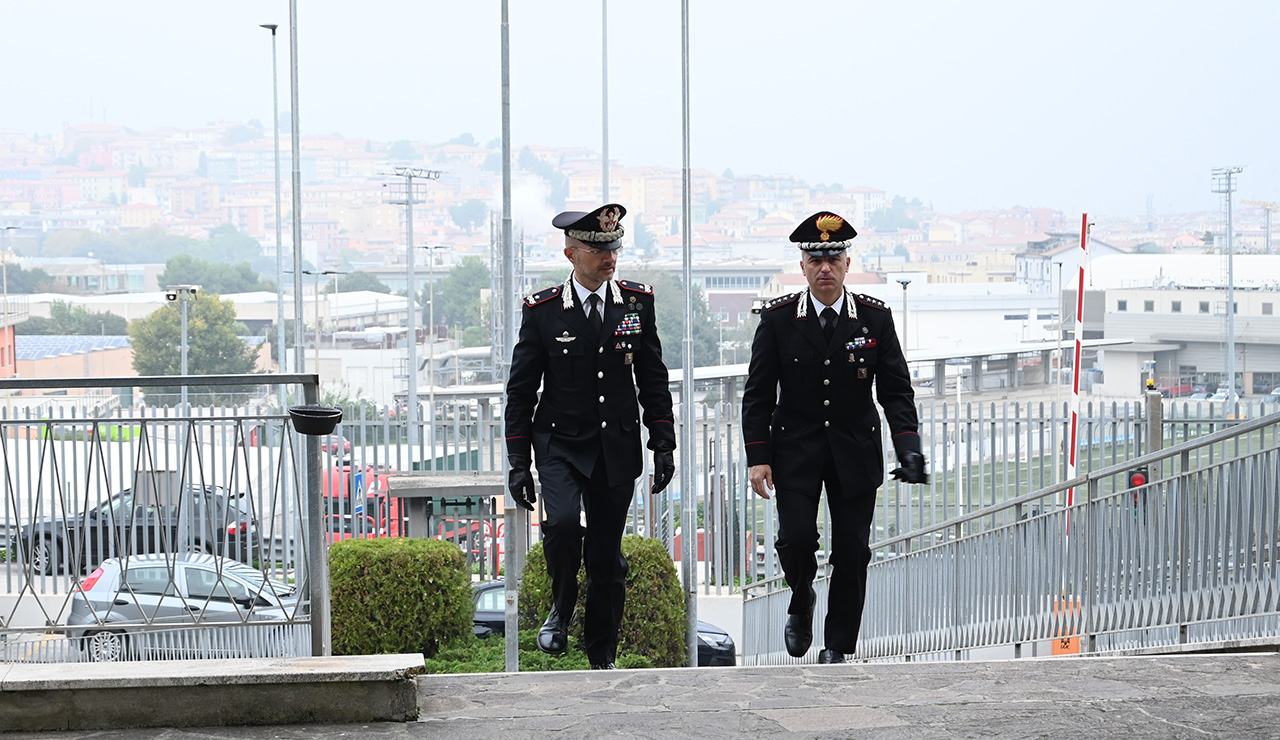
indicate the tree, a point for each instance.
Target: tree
{"x":403,"y":150}
{"x":138,"y":175}
{"x":213,"y":278}
{"x":228,"y":244}
{"x":458,"y":294}
{"x":463,"y":139}
{"x":469,"y":214}
{"x":215,"y":347}
{"x":66,"y":319}
{"x":32,"y":280}
{"x":361,"y":281}
{"x":241,"y":133}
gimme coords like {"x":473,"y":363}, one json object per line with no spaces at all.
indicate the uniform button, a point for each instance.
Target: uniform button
{"x":601,"y":351}
{"x":604,"y":424}
{"x":826,"y":423}
{"x":826,"y":362}
{"x":602,"y":399}
{"x":873,"y":429}
{"x":795,"y":359}
{"x":826,"y":402}
{"x":566,"y":351}
{"x":826,"y":381}
{"x":861,"y":360}
{"x":600,"y":374}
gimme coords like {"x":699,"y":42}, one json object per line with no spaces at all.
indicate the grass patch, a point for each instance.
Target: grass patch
{"x":472,"y":654}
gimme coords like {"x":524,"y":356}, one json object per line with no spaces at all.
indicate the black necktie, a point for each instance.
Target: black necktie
{"x":828,"y":323}
{"x":594,"y":318}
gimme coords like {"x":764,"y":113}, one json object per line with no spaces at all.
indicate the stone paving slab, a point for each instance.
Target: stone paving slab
{"x":1142,"y":698}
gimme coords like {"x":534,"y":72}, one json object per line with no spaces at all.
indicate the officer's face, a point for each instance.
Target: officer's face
{"x":825,"y":275}
{"x":591,"y":265}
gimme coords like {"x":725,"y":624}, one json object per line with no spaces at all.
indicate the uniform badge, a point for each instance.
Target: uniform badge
{"x":862,"y":373}
{"x":626,"y":360}
{"x":851,"y":356}
{"x":565,"y":338}
{"x":865,"y":330}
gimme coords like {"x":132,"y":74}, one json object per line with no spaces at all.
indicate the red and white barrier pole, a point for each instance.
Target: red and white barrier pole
{"x":1075,"y":366}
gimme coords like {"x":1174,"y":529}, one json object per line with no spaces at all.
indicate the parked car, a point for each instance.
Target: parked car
{"x":715,"y":646}
{"x":195,"y":590}
{"x":211,"y":520}
{"x":335,"y":444}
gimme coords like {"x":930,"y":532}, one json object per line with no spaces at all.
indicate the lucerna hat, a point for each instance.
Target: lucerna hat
{"x":600,"y":228}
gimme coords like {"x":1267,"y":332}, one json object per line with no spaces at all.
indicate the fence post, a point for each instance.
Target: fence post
{"x":1155,"y":430}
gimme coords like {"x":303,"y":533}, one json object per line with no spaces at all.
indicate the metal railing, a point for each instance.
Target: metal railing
{"x":1185,"y":562}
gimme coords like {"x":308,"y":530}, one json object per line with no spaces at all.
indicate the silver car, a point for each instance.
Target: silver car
{"x":185,"y":605}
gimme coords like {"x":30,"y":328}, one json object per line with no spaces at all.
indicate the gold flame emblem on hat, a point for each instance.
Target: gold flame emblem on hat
{"x":827,"y":224}
{"x":609,"y":219}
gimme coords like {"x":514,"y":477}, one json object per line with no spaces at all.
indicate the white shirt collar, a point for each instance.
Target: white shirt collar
{"x":582,"y":293}
{"x":839,"y":304}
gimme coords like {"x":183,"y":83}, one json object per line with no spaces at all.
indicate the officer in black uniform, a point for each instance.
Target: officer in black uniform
{"x":592,"y":346}
{"x":809,"y":421}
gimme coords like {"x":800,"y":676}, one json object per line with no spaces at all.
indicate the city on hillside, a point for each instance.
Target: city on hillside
{"x":103,"y":226}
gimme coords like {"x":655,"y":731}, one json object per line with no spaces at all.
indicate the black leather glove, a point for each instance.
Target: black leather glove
{"x":520,"y":481}
{"x":912,"y":468}
{"x":664,"y":466}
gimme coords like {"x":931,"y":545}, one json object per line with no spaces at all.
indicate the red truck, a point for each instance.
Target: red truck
{"x":359,"y":505}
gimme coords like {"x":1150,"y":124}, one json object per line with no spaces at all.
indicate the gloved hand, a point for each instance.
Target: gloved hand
{"x":912,"y":468}
{"x":664,"y":466}
{"x":520,"y":481}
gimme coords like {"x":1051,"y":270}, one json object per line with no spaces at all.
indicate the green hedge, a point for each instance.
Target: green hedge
{"x":654,"y":619}
{"x":398,"y":595}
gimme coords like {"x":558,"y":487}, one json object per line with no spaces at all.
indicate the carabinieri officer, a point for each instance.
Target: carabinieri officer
{"x":592,"y":346}
{"x":809,"y":422}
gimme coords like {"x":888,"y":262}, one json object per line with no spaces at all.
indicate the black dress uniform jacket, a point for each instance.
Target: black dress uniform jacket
{"x":806,"y":397}
{"x":592,"y":388}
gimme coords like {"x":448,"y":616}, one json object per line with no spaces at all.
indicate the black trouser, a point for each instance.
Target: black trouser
{"x":851,"y":514}
{"x":566,"y":492}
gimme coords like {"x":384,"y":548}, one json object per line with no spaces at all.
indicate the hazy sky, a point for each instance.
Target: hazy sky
{"x":1088,"y":105}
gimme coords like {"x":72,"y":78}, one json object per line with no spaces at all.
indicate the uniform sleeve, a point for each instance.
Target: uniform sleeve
{"x":653,"y":387}
{"x":760,"y":394}
{"x":528,"y":360}
{"x":894,"y":391}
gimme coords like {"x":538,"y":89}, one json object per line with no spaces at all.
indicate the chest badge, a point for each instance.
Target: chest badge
{"x":630,"y":324}
{"x":565,"y":338}
{"x":862,"y":373}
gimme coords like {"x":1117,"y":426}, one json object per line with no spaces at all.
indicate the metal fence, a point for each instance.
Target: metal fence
{"x":1185,"y":562}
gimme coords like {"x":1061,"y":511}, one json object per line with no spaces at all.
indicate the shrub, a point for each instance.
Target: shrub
{"x":398,"y":595}
{"x":654,"y":619}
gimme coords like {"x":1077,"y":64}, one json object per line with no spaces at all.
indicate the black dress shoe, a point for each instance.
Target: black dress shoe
{"x":798,"y":634}
{"x":553,"y":638}
{"x":830,"y":656}
{"x":603,"y":667}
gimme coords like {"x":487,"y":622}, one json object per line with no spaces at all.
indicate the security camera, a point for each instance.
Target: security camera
{"x":193,"y":289}
{"x":171,"y":296}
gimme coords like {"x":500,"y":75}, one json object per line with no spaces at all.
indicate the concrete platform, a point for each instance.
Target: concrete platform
{"x":186,"y":693}
{"x":1139,"y":698}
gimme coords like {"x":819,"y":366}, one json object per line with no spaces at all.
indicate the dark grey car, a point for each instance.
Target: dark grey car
{"x":209,"y":520}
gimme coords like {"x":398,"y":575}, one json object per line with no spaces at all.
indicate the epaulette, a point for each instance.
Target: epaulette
{"x":542,"y":295}
{"x":867,"y":300}
{"x":637,"y":287}
{"x":781,"y":301}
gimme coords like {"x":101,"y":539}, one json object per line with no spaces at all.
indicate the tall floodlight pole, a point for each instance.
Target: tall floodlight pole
{"x":8,"y":326}
{"x":688,"y":458}
{"x":431,"y":348}
{"x":1224,"y":183}
{"x":410,"y":174}
{"x":315,"y":304}
{"x":517,"y":519}
{"x":604,"y":100}
{"x":296,"y":195}
{"x":281,"y":353}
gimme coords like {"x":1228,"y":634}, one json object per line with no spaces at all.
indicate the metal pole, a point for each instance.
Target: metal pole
{"x":1226,"y":186}
{"x":296,"y":195}
{"x":906,"y":337}
{"x":412,"y":418}
{"x":282,"y":354}
{"x":8,"y":325}
{"x":182,"y":296}
{"x":317,"y":553}
{"x":604,"y":100}
{"x":517,"y":519}
{"x":315,"y":305}
{"x":688,"y":458}
{"x":431,"y":352}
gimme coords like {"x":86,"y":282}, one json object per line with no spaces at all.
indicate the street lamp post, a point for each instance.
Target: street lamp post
{"x":906,"y":338}
{"x":315,"y":302}
{"x":281,"y":354}
{"x":8,"y":326}
{"x":185,"y":294}
{"x":431,"y":348}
